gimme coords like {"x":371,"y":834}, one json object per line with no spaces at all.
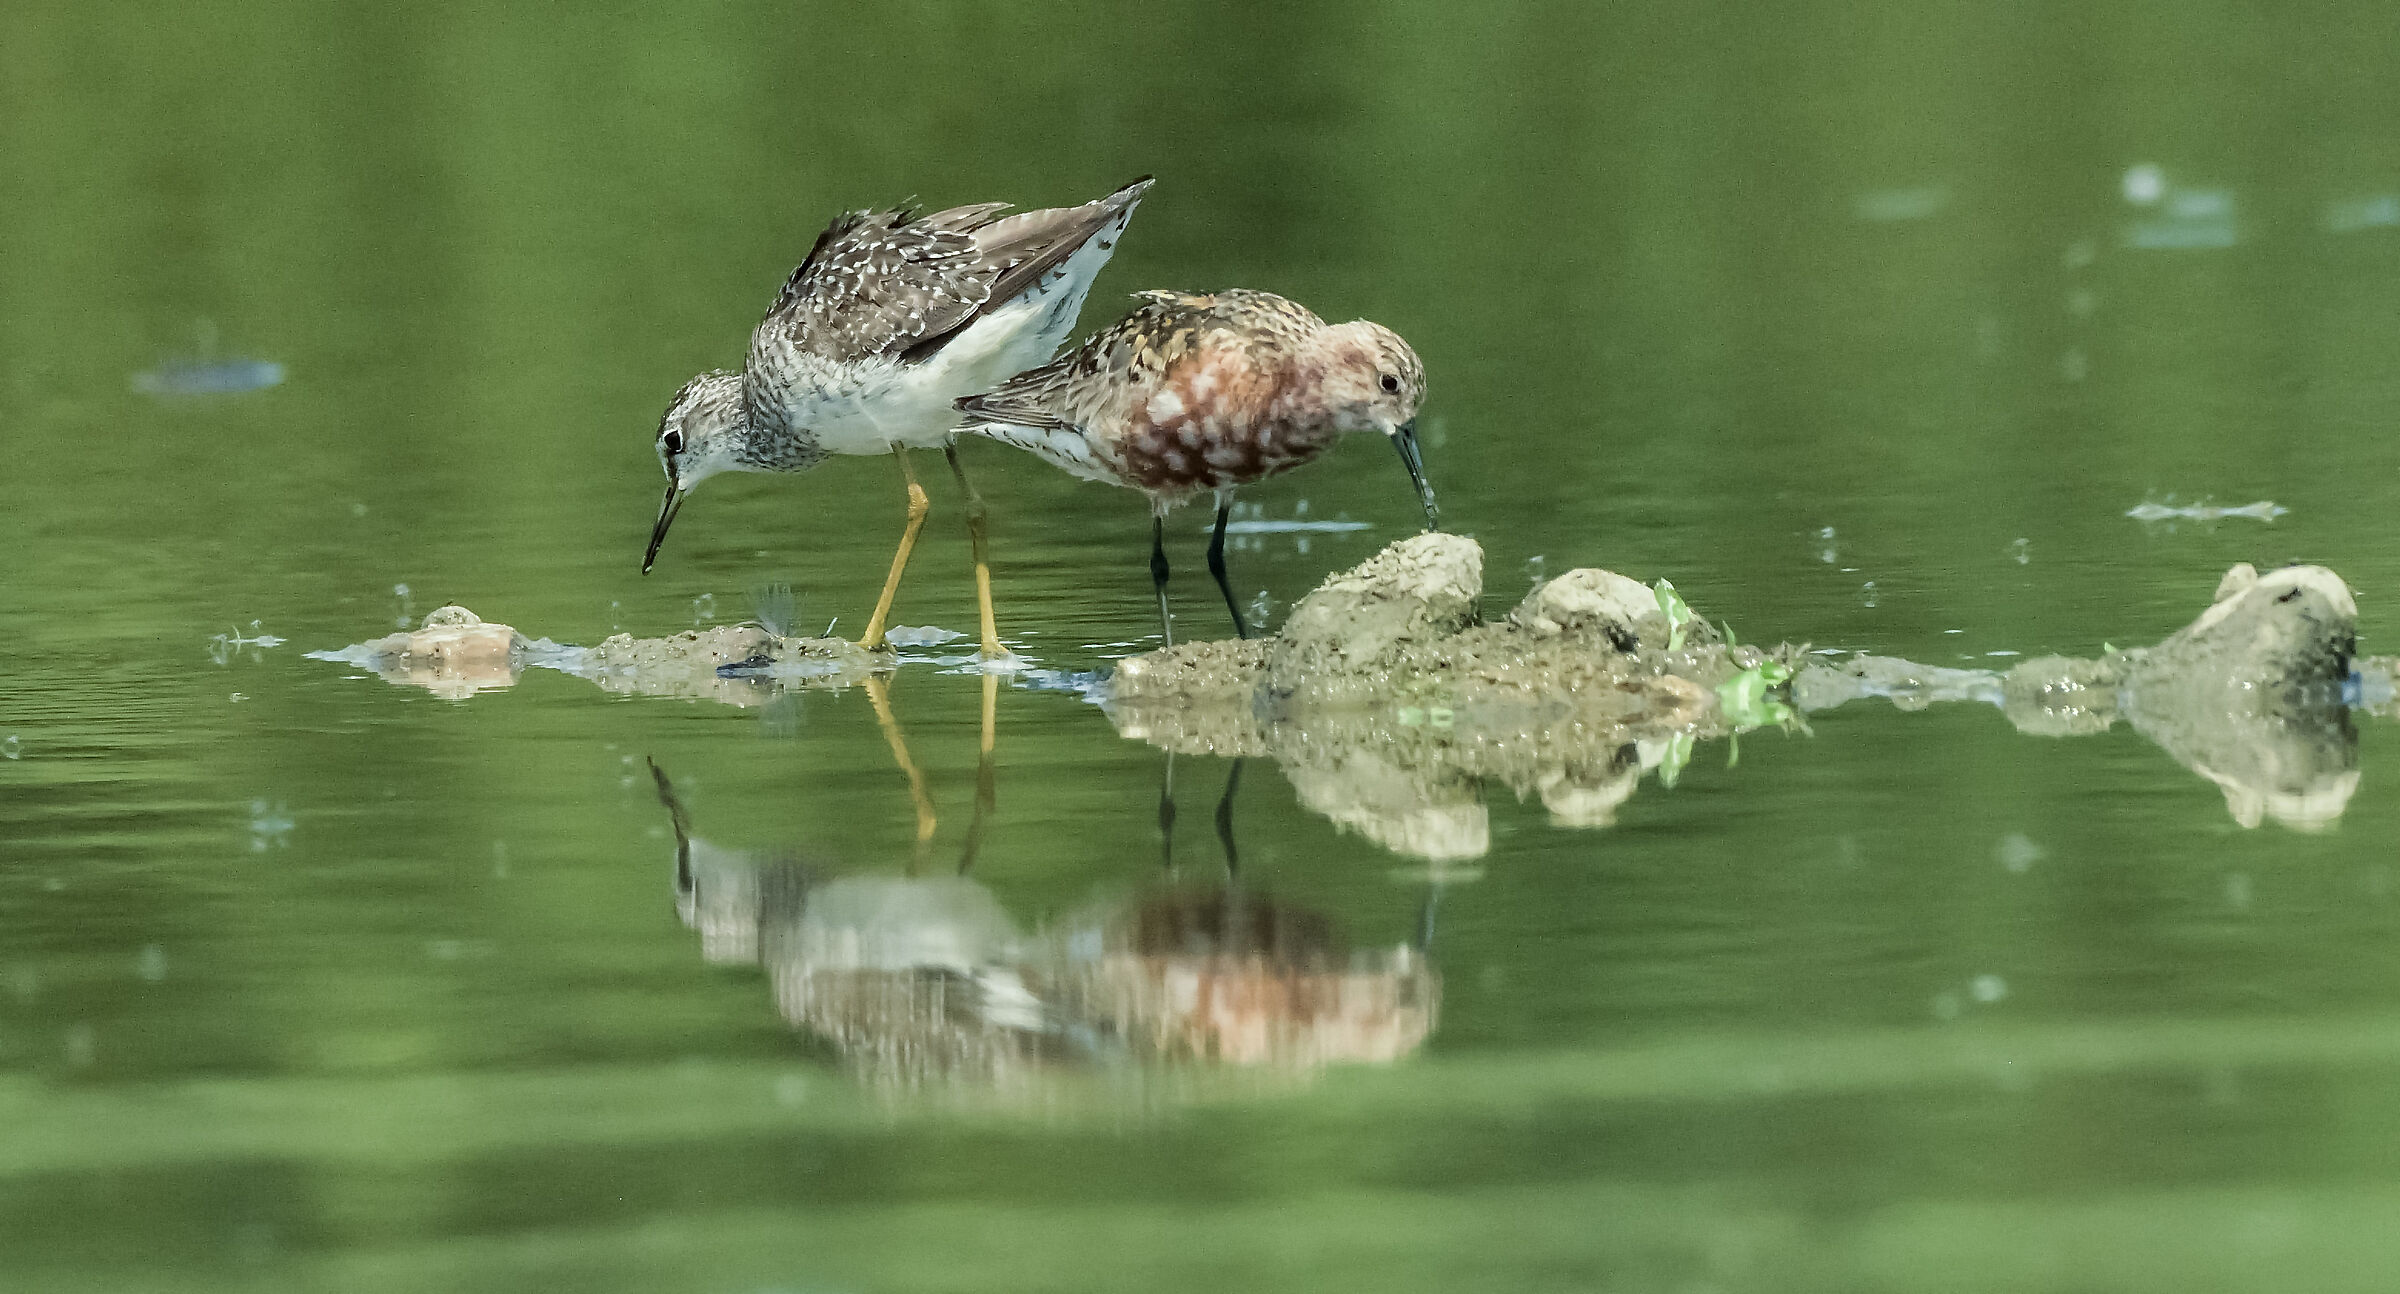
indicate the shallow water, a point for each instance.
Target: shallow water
{"x":1868,"y":328}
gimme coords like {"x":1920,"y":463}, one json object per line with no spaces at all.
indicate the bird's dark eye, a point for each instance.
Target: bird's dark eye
{"x":673,"y":440}
{"x":1390,"y":384}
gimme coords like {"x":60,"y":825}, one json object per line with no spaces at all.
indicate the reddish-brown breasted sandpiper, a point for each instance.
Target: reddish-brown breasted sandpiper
{"x":1192,"y":392}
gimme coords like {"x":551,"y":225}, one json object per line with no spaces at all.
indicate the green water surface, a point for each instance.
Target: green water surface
{"x":1864,"y":323}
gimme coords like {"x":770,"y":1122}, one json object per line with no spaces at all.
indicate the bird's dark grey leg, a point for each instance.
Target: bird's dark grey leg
{"x":1216,"y":563}
{"x":983,"y":567}
{"x":1158,"y":573}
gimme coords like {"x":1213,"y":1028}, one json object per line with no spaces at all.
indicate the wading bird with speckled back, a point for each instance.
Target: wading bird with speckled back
{"x":1205,"y":392}
{"x":873,"y":339}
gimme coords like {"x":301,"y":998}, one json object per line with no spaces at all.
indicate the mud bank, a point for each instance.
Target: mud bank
{"x":1388,"y":704}
{"x":2253,"y":695}
{"x":456,"y":654}
{"x":1387,"y":700}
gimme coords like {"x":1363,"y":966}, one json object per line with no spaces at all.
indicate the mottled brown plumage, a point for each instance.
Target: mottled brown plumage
{"x":873,"y":338}
{"x":1193,"y":392}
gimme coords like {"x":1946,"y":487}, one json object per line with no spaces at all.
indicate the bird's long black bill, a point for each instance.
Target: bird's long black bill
{"x":666,"y":518}
{"x":1405,"y":440}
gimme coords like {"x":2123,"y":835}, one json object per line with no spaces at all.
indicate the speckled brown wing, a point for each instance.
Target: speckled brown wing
{"x":879,"y":282}
{"x":891,"y":284}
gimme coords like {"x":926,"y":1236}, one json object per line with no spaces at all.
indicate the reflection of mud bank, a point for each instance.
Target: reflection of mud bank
{"x":2252,"y":695}
{"x":927,"y":982}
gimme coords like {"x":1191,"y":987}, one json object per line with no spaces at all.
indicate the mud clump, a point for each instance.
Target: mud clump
{"x":1387,"y":700}
{"x":454,"y":655}
{"x":1403,"y":628}
{"x":741,"y":665}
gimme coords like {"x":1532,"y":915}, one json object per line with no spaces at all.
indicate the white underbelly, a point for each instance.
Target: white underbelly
{"x":915,"y":405}
{"x":898,"y":410}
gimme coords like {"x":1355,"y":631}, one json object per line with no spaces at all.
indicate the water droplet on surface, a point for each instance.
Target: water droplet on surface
{"x":2017,"y":852}
{"x":82,"y":1046}
{"x":1867,"y":594}
{"x":10,"y":747}
{"x":2021,"y":551}
{"x":1988,"y":988}
{"x":2144,"y":184}
{"x":151,"y":965}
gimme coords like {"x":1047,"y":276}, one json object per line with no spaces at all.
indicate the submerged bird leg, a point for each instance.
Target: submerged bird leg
{"x":1426,"y":913}
{"x":985,"y":779}
{"x":917,"y":508}
{"x":681,"y":820}
{"x":983,"y":567}
{"x":879,"y":695}
{"x":1216,"y":561}
{"x":1233,"y":783}
{"x":1166,"y":816}
{"x":1158,"y":572}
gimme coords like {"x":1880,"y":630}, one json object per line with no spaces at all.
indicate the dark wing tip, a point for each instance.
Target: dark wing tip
{"x":1126,"y":195}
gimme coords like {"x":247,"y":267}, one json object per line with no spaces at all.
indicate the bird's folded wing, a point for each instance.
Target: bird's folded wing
{"x":878,"y":283}
{"x":1030,"y":399}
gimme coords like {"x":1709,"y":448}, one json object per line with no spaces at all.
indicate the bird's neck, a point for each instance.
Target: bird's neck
{"x":1299,"y":410}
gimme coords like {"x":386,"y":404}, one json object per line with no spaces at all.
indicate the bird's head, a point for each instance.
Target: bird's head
{"x":1374,"y":382}
{"x":697,"y":437}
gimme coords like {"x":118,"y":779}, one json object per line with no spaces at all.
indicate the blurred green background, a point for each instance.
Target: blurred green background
{"x":1865,"y":323}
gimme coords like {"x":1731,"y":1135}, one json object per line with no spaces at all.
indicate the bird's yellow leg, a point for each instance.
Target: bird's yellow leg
{"x":879,"y":695}
{"x":918,"y":505}
{"x":983,"y":567}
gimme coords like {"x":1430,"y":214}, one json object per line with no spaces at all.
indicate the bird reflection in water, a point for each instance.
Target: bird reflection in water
{"x":926,"y":983}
